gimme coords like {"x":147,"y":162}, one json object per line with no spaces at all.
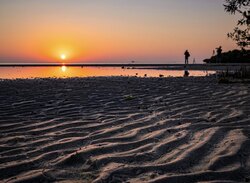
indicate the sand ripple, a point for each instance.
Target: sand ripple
{"x":124,"y":130}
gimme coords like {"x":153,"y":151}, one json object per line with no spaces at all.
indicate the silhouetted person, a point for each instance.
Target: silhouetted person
{"x":219,"y":55}
{"x":187,"y":55}
{"x":194,"y":61}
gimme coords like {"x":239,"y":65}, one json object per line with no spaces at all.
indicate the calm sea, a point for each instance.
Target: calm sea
{"x":65,"y":72}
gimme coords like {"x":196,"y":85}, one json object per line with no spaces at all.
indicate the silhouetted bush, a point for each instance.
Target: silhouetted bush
{"x":235,"y":56}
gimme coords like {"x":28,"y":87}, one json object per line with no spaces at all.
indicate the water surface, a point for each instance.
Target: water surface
{"x":66,"y":72}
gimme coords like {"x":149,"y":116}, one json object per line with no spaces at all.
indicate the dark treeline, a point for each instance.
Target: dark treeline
{"x":235,"y":56}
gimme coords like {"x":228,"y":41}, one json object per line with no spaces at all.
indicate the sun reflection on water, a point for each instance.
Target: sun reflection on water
{"x":64,"y":68}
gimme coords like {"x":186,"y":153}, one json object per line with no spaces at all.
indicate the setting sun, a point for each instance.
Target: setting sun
{"x":63,"y":56}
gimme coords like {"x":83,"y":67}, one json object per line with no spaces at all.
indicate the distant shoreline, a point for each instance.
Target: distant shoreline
{"x":221,"y":66}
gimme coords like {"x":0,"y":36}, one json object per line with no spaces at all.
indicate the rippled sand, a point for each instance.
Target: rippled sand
{"x":124,"y":130}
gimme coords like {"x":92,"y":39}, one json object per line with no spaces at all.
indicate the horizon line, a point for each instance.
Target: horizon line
{"x":117,"y":64}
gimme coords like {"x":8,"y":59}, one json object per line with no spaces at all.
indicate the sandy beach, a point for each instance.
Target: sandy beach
{"x":124,"y":129}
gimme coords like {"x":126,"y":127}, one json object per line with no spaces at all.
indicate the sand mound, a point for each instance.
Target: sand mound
{"x":124,"y":130}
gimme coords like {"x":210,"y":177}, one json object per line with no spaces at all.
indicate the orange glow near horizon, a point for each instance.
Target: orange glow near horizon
{"x":87,"y":33}
{"x":66,"y":50}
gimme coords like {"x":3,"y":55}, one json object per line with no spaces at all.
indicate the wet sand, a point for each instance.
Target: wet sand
{"x":119,"y":129}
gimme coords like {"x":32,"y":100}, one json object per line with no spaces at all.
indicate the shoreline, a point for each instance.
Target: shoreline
{"x":220,"y":66}
{"x":104,"y":77}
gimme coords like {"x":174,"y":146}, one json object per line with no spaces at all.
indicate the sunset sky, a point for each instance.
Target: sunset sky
{"x":147,"y":31}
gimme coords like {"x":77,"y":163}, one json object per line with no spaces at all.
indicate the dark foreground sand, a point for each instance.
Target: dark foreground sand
{"x":124,"y":130}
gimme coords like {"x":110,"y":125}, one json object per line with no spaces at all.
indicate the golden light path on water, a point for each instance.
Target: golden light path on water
{"x":66,"y":72}
{"x":64,"y":68}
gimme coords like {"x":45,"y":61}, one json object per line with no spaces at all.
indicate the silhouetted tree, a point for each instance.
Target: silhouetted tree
{"x":234,"y":56}
{"x":241,"y":33}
